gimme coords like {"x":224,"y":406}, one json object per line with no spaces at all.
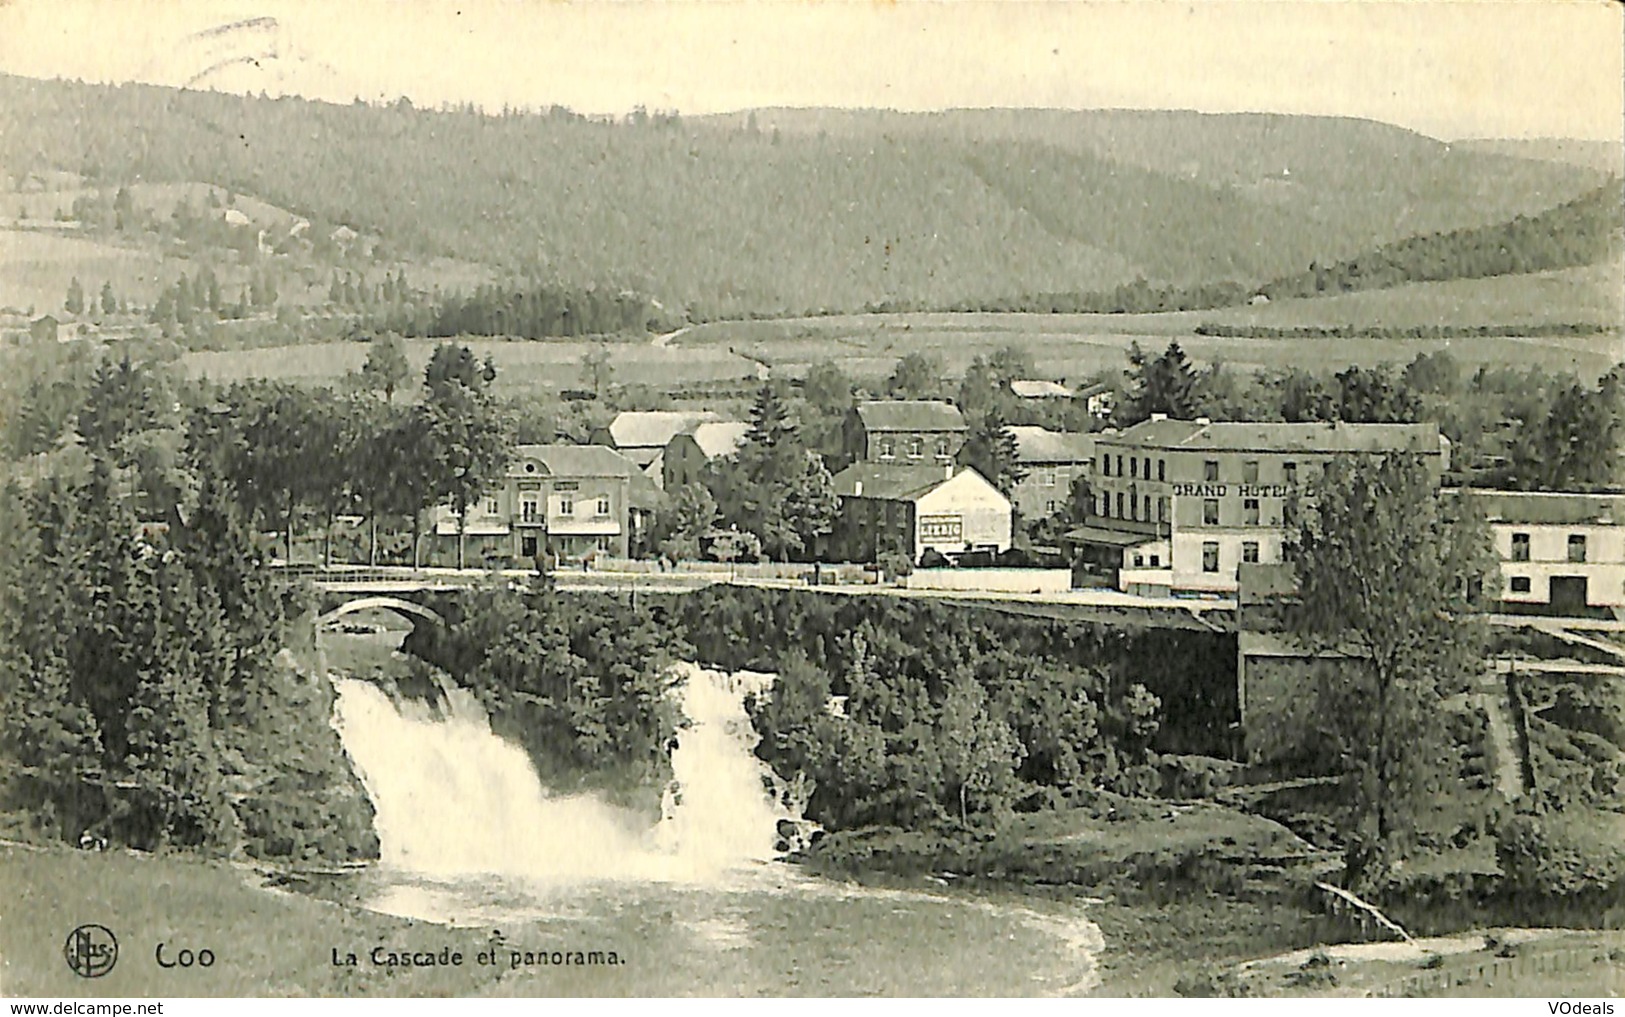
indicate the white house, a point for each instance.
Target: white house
{"x":912,"y":509}
{"x":1560,"y":551}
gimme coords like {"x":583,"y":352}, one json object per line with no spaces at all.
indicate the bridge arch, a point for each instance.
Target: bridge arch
{"x":396,"y":604}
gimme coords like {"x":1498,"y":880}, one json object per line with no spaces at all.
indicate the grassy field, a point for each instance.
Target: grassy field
{"x":521,"y":365}
{"x":1079,"y":346}
{"x":1594,"y":294}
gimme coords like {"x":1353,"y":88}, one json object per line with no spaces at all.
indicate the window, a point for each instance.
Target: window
{"x":1249,"y":511}
{"x":1049,"y":507}
{"x":1133,"y":467}
{"x":1139,"y":561}
{"x":1105,"y":466}
{"x":1120,"y":505}
{"x":1105,"y":508}
{"x":1133,"y":506}
{"x":1520,"y":584}
{"x":1249,"y":550}
{"x":567,"y":507}
{"x":527,"y":510}
{"x":1047,"y":478}
{"x":1156,"y":560}
{"x":1119,"y":466}
{"x":1290,"y":470}
{"x":1210,"y":556}
{"x":1147,"y":469}
{"x":888,"y":448}
{"x":1210,"y":511}
{"x":1249,"y":472}
{"x":916,"y":448}
{"x":492,"y":507}
{"x":1520,"y":547}
{"x":942,"y":448}
{"x":1162,"y":469}
{"x":1162,"y":509}
{"x":1148,"y":508}
{"x":1210,"y":471}
{"x":1577,"y":547}
{"x":603,"y":504}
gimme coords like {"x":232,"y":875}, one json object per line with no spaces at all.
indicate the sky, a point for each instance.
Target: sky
{"x":1455,"y":69}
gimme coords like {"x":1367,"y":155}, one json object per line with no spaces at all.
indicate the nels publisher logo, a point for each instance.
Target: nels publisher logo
{"x":91,"y":951}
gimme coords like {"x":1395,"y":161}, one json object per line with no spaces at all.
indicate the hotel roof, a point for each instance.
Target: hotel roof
{"x":1197,"y":435}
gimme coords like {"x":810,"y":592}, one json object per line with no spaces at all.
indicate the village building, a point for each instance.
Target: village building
{"x":44,"y":329}
{"x":1561,"y":553}
{"x":1051,"y":459}
{"x":690,"y":451}
{"x":1028,"y":388}
{"x":1177,"y":505}
{"x":567,"y":501}
{"x":904,"y":431}
{"x":642,"y":435}
{"x":886,"y":507}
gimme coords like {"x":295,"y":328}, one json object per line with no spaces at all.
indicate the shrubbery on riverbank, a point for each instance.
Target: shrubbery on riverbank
{"x":141,"y":700}
{"x":579,"y":681}
{"x":914,"y":714}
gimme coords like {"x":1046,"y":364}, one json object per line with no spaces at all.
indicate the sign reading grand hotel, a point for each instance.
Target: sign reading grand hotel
{"x":1223,"y":490}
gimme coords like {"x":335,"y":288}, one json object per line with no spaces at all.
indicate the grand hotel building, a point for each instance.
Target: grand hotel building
{"x":1178,"y":505}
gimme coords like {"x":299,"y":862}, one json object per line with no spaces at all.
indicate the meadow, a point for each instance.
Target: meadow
{"x":521,"y":365}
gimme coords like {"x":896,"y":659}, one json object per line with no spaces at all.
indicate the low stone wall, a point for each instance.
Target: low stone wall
{"x":994,"y":580}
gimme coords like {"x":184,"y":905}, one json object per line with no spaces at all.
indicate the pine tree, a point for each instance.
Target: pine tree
{"x":75,"y":302}
{"x":109,"y":300}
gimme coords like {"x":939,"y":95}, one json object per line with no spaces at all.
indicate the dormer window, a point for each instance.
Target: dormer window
{"x":916,"y":448}
{"x":942,"y":448}
{"x":888,"y":448}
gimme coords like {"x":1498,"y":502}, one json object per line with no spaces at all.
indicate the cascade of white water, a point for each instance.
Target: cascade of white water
{"x":453,"y":798}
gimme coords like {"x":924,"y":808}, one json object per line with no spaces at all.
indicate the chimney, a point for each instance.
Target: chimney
{"x":947,"y":471}
{"x":857,"y":489}
{"x":1159,"y":416}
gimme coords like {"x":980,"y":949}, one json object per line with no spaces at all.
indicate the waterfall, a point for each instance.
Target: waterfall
{"x":452,"y":798}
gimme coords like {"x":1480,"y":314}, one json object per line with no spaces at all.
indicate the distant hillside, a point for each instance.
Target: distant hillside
{"x":1607,"y":156}
{"x":810,"y":210}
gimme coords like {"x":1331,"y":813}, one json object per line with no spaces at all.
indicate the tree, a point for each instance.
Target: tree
{"x":386,"y":367}
{"x":597,"y":370}
{"x":75,"y":301}
{"x":918,"y":375}
{"x":1385,"y":574}
{"x":1372,"y":396}
{"x":990,"y":449}
{"x":1167,"y":385}
{"x":979,"y":753}
{"x":109,"y":299}
{"x":686,"y":515}
{"x":124,"y":399}
{"x":465,"y":433}
{"x":1576,"y":446}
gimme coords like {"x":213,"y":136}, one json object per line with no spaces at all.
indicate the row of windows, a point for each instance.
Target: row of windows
{"x":1136,"y":510}
{"x":1577,"y":547}
{"x":1140,"y":510}
{"x":916,"y":448}
{"x":1250,"y":515}
{"x":1140,"y":469}
{"x":530,"y":511}
{"x":1210,"y":554}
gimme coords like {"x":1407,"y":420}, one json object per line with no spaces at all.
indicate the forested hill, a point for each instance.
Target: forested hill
{"x":824,"y":211}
